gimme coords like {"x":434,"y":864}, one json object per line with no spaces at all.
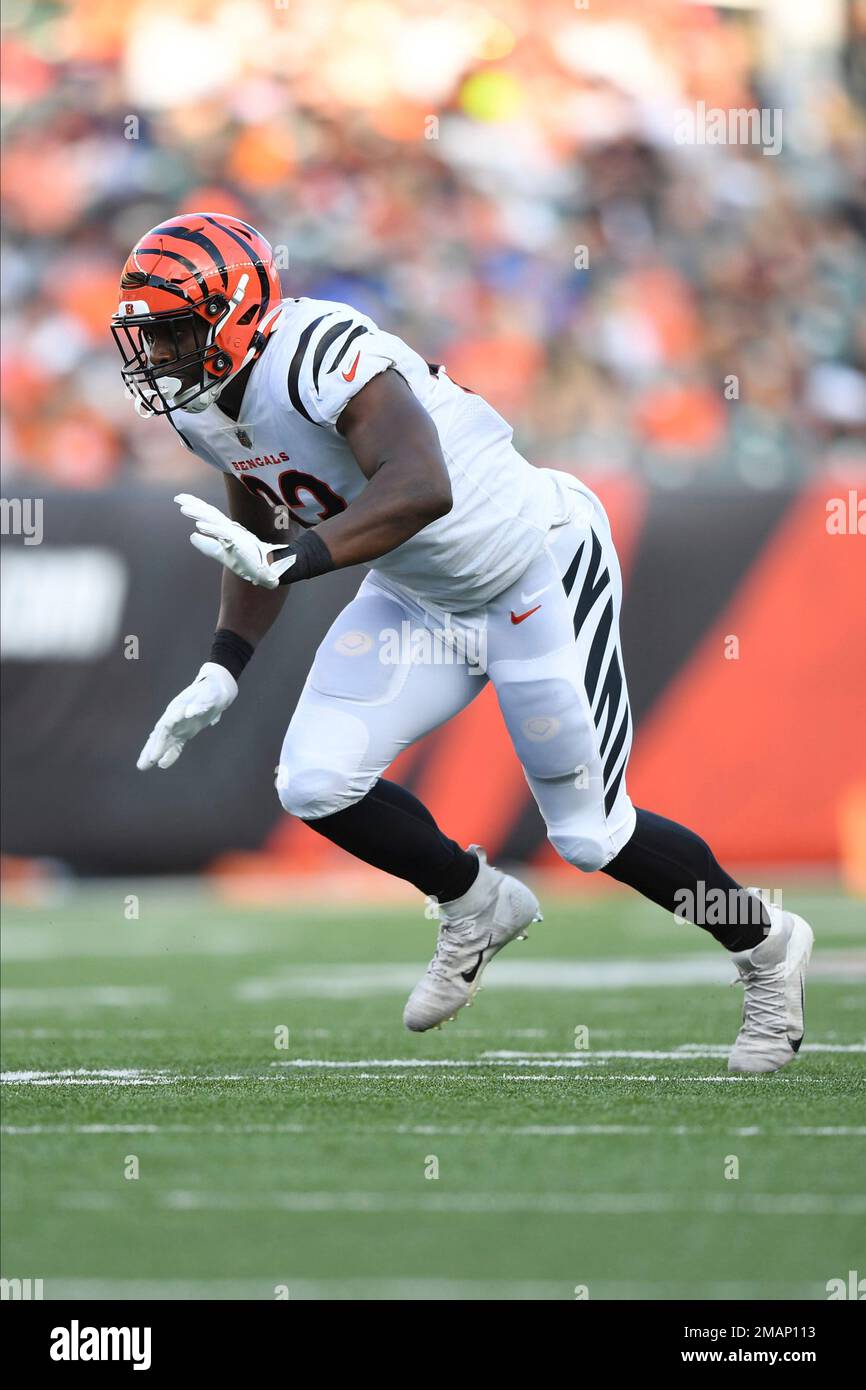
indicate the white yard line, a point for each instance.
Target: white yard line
{"x":643,"y":1076}
{"x":118,"y":1073}
{"x":109,"y":1076}
{"x":159,"y":1034}
{"x":91,"y":1080}
{"x":698,"y":968}
{"x":367,"y":1066}
{"x":441,"y":1131}
{"x":491,"y":1203}
{"x":411,"y":1289}
{"x":86,"y":1034}
{"x":687,"y":1052}
{"x":541,"y":1067}
{"x":136,"y":940}
{"x":83,"y":997}
{"x":29,"y":1131}
{"x":410,"y":1063}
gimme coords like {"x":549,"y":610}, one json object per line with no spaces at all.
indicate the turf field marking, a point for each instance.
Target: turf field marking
{"x":491,"y":1203}
{"x":107,"y":1076}
{"x":370,"y":1069}
{"x":25,"y":1131}
{"x":360,"y":981}
{"x":688,"y":1052}
{"x":87,"y":1034}
{"x":33,"y":943}
{"x":159,"y":1034}
{"x":442,"y":1131}
{"x":719,"y":1049}
{"x":828,"y":1131}
{"x":581,"y":1131}
{"x":628,"y":1076}
{"x":22,"y":1079}
{"x":28,"y":1131}
{"x":117,"y":1079}
{"x":409,"y":1289}
{"x":83,"y":997}
{"x":110,"y":1073}
{"x":565,"y":1062}
{"x":419,"y":1063}
{"x":113,"y":1072}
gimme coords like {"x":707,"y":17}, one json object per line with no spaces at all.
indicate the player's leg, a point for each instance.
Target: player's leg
{"x":561,"y":686}
{"x":358,"y":710}
{"x":553,"y":657}
{"x":369,"y":695}
{"x":394,"y":831}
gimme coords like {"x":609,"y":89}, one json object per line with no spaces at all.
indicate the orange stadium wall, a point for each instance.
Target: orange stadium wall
{"x":766,"y":751}
{"x":744,"y":636}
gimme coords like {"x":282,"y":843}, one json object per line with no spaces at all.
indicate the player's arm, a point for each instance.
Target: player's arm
{"x":249,"y":609}
{"x":396,"y":446}
{"x":245,"y":614}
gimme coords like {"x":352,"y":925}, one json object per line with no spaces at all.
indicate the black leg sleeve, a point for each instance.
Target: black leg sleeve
{"x":391,"y":829}
{"x":666,"y":862}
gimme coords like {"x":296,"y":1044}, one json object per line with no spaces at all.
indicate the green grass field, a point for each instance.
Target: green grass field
{"x":309,"y":1166}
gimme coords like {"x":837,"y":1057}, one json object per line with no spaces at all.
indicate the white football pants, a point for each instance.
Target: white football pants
{"x":392,"y":667}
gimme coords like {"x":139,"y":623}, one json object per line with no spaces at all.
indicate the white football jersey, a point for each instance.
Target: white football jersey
{"x":285,"y":447}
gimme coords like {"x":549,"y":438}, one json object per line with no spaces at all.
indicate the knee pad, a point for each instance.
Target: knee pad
{"x":586,"y":852}
{"x":322,"y":764}
{"x":311,"y":792}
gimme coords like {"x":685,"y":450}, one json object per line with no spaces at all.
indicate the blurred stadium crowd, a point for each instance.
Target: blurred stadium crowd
{"x":441,"y":165}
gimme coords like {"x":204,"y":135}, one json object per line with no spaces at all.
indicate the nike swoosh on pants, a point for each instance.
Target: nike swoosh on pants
{"x":521,"y":617}
{"x":530,"y":598}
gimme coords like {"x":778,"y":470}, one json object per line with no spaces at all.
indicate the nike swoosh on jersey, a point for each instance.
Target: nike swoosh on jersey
{"x":521,"y":617}
{"x":350,"y":374}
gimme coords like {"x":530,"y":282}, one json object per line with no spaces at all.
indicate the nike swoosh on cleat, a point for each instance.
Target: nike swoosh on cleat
{"x":521,"y":617}
{"x":469,"y":975}
{"x":795,"y":1042}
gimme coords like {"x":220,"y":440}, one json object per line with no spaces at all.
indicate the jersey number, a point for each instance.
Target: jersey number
{"x":291,"y":483}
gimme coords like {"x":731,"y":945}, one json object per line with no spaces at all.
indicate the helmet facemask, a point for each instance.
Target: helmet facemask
{"x":198,"y":368}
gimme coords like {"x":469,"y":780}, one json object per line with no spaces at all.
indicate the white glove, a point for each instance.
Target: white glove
{"x":232,"y":544}
{"x":194,"y":709}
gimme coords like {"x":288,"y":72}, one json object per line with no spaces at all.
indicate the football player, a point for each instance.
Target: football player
{"x":340,"y":446}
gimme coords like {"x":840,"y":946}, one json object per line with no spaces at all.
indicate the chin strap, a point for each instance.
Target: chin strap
{"x":258,"y":342}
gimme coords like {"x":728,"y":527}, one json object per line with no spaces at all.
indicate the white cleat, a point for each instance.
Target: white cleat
{"x":497,"y":909}
{"x":773,"y":975}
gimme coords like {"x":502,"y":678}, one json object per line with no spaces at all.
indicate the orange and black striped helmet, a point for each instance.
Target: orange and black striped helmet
{"x":206,"y":285}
